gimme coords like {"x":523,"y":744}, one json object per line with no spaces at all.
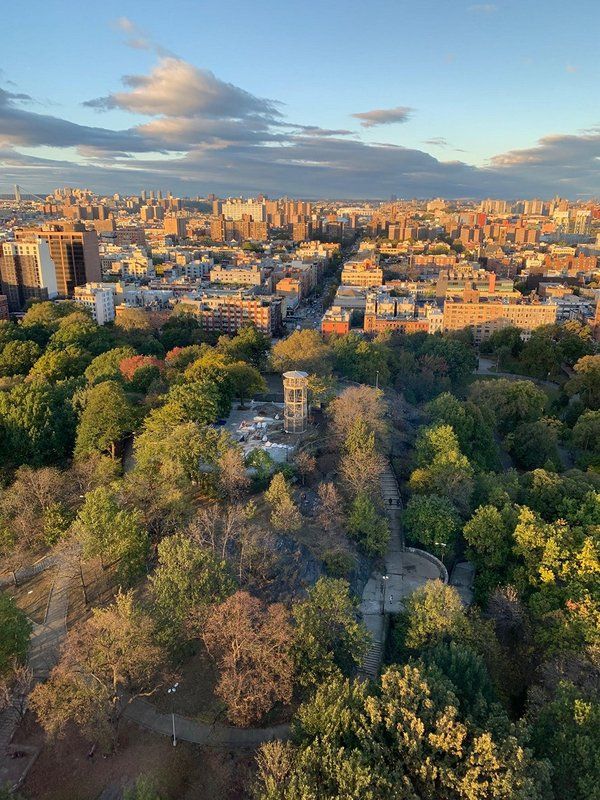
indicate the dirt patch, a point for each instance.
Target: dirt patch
{"x":32,"y":595}
{"x":100,"y":587}
{"x":195,"y":696}
{"x":186,"y":772}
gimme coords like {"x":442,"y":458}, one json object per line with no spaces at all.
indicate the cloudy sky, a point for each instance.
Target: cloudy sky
{"x":315,"y":99}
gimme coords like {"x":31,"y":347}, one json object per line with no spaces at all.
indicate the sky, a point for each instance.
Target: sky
{"x":335,"y":98}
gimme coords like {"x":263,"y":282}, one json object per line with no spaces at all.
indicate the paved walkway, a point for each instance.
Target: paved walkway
{"x":44,"y":645}
{"x":216,"y":735}
{"x":406,"y":569}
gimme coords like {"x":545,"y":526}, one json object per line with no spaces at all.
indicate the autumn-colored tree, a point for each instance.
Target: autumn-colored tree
{"x":251,"y":644}
{"x":233,"y":479}
{"x":356,"y":403}
{"x":329,"y":512}
{"x":106,"y":663}
{"x":129,"y":366}
{"x":305,"y":463}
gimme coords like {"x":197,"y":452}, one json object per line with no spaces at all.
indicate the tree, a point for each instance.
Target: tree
{"x":509,"y":402}
{"x":432,"y":521}
{"x":17,"y":357}
{"x":302,"y":350}
{"x":246,"y":381}
{"x":361,"y":360}
{"x":443,"y":469}
{"x":367,"y":526}
{"x":566,"y":730}
{"x":489,"y":536}
{"x":586,"y":381}
{"x":356,"y":403}
{"x":533,"y":444}
{"x":143,"y":789}
{"x":473,"y":428}
{"x":56,"y":365}
{"x":107,"y":418}
{"x":249,"y":345}
{"x":434,"y":612}
{"x":402,"y":741}
{"x":233,"y":480}
{"x":329,"y":512}
{"x":106,"y":663}
{"x":284,"y":513}
{"x":199,"y":402}
{"x":327,"y":637}
{"x":108,"y":532}
{"x":586,"y":433}
{"x":105,"y":367}
{"x":15,"y":629}
{"x":129,"y":366}
{"x":251,"y":643}
{"x":188,"y":580}
{"x":37,"y":424}
{"x":305,"y":464}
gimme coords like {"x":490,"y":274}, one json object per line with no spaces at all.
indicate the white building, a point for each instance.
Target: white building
{"x":98,"y":300}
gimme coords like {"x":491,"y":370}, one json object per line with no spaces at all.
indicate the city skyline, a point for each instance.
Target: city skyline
{"x":470,"y":106}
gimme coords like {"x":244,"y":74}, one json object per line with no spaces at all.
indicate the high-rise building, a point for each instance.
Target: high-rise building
{"x":74,"y":251}
{"x":27,"y":272}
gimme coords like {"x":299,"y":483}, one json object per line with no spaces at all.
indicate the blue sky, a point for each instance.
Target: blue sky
{"x":472,"y":98}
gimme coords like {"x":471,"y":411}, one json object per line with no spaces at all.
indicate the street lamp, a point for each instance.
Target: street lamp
{"x":385,"y":579}
{"x":171,"y":690}
{"x":441,"y":544}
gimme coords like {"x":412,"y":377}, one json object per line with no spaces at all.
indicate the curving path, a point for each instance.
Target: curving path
{"x":190,"y":730}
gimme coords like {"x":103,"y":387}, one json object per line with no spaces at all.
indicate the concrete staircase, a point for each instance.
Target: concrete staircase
{"x":372,"y":663}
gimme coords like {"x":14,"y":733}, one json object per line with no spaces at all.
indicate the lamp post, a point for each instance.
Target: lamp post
{"x":441,"y":544}
{"x":171,"y":690}
{"x":385,"y":579}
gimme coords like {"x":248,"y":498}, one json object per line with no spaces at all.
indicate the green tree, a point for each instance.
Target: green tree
{"x":111,"y":533}
{"x":442,"y":469}
{"x":285,"y":515}
{"x":566,"y":730}
{"x":105,"y":367}
{"x":489,"y":536}
{"x":187,"y":581}
{"x":249,"y":345}
{"x":534,"y":444}
{"x":328,"y":639}
{"x":473,"y":429}
{"x":56,"y":365}
{"x":586,"y":435}
{"x":432,"y":521}
{"x":106,"y":419}
{"x":402,"y":741}
{"x":303,"y":350}
{"x":198,"y":402}
{"x":586,"y":381}
{"x":37,"y":424}
{"x":15,"y":629}
{"x":17,"y":357}
{"x":246,"y":381}
{"x":509,"y":402}
{"x":367,"y":526}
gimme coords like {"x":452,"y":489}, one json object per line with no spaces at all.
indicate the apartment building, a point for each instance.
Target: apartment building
{"x":484,"y":315}
{"x":4,"y":312}
{"x":228,"y":311}
{"x":27,"y":272}
{"x":74,"y":251}
{"x":363,"y":270}
{"x":248,"y":275}
{"x":336,"y":320}
{"x":98,"y":300}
